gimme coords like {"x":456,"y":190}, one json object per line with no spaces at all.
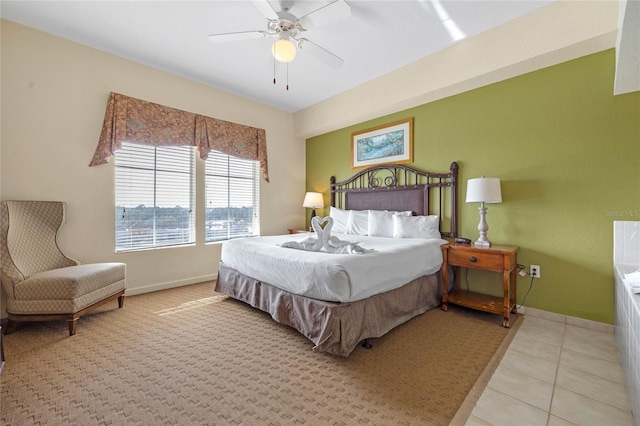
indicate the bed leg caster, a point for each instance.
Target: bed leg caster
{"x":365,"y":344}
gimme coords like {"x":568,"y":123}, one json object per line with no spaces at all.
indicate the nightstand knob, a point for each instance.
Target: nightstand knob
{"x":473,"y":259}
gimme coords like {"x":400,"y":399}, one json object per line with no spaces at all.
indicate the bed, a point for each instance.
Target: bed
{"x":351,"y":307}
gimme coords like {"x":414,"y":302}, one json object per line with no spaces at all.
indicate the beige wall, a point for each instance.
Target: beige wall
{"x":54,"y":94}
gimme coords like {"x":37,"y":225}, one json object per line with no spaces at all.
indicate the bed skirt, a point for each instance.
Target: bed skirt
{"x":334,"y":327}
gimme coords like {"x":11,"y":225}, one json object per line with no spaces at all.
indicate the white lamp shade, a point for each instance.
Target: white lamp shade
{"x":484,"y":190}
{"x":313,"y":200}
{"x":283,"y":50}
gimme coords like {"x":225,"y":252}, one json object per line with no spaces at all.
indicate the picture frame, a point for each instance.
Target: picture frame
{"x":387,"y":144}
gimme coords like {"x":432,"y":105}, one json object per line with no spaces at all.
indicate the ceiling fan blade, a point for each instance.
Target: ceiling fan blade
{"x":320,"y":53}
{"x":337,"y":9}
{"x":266,"y":9}
{"x":242,"y":35}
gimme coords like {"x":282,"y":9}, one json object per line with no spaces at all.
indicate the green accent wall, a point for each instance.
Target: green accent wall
{"x":567,"y":152}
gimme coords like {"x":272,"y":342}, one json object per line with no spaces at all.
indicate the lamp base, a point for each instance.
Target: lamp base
{"x":482,"y":244}
{"x":313,"y":214}
{"x":483,"y":227}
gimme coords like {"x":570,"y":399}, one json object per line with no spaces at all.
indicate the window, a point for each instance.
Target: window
{"x":155,"y":189}
{"x":232,"y":198}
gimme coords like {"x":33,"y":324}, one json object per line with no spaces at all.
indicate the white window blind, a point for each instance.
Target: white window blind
{"x":155,"y":190}
{"x":232,"y":198}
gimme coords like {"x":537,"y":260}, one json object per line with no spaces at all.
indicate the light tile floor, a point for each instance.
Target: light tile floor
{"x":556,"y":374}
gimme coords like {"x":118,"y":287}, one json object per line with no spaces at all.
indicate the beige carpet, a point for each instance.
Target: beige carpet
{"x":191,"y":356}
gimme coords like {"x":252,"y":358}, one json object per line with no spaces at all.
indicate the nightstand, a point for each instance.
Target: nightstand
{"x":298,"y":231}
{"x":496,"y":258}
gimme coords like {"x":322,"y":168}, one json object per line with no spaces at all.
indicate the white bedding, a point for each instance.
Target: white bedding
{"x":334,"y":277}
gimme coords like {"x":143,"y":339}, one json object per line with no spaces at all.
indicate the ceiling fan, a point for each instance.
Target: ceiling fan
{"x":287,"y":28}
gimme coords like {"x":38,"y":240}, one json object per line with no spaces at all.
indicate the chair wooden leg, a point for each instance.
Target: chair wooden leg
{"x":72,"y":326}
{"x":10,"y":326}
{"x":72,"y":318}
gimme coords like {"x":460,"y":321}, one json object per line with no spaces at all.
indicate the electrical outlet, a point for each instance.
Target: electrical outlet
{"x":534,"y":271}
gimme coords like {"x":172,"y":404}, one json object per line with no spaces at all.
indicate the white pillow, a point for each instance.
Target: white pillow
{"x":340,"y":220}
{"x":381,"y":223}
{"x":416,"y":226}
{"x":358,"y":222}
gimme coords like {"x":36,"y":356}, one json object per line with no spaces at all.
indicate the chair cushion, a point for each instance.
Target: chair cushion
{"x":71,"y":282}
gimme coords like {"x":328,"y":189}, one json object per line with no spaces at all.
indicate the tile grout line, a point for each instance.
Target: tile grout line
{"x":522,"y":373}
{"x":555,"y":379}
{"x":600,"y":377}
{"x":555,"y":385}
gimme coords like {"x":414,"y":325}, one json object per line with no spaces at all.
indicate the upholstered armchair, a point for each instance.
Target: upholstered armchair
{"x":40,"y":282}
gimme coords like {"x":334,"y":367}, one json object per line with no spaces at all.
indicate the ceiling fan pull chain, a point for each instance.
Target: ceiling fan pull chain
{"x":287,"y":75}
{"x":274,"y":70}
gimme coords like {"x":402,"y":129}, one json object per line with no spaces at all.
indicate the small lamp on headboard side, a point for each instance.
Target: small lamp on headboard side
{"x":313,"y":200}
{"x":483,"y":190}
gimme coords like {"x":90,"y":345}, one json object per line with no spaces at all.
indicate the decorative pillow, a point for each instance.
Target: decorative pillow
{"x":416,"y":226}
{"x":358,"y":222}
{"x":381,"y":223}
{"x":340,"y":220}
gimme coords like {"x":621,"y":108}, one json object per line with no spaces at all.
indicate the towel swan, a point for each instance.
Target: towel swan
{"x":330,"y":243}
{"x":324,"y":239}
{"x":309,"y":243}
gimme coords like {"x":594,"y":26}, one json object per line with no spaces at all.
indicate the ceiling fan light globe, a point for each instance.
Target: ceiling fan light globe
{"x":283,"y":50}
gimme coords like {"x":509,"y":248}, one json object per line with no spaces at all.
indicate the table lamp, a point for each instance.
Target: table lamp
{"x":313,"y":200}
{"x":483,"y":190}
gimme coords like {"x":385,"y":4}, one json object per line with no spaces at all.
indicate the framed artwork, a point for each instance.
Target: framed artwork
{"x":390,"y":143}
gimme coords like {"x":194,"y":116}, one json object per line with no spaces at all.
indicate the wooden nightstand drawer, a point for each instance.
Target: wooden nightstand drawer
{"x":472,"y":259}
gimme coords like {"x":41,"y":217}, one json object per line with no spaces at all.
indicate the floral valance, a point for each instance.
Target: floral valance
{"x":134,"y":120}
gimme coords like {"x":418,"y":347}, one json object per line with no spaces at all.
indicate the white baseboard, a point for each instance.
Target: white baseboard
{"x":169,"y":284}
{"x":566,"y":319}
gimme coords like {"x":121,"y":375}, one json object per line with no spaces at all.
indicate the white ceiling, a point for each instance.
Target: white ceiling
{"x":378,"y":37}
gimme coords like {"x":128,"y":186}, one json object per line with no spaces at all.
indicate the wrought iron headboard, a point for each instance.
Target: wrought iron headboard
{"x":399,"y":187}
